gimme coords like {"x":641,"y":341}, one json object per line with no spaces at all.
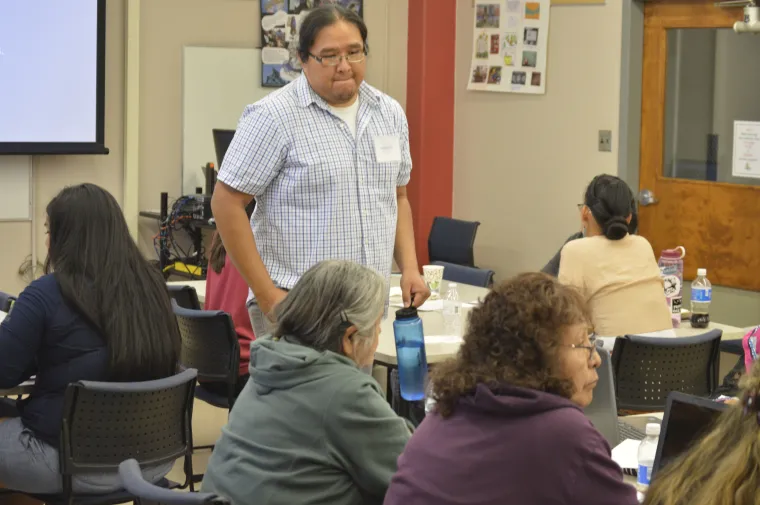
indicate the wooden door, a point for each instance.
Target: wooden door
{"x":716,"y":217}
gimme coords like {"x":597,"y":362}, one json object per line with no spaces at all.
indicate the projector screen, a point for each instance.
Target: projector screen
{"x":52,"y":76}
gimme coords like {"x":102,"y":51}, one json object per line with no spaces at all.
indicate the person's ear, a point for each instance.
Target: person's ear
{"x":348,"y":342}
{"x":585,"y":212}
{"x":628,"y":219}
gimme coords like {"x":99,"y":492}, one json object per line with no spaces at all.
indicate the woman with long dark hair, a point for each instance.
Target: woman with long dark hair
{"x":101,"y":313}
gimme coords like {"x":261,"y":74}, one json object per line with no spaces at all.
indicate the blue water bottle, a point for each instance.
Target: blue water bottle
{"x":410,"y":354}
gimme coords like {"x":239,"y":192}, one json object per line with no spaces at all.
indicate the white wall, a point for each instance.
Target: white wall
{"x":521,"y":163}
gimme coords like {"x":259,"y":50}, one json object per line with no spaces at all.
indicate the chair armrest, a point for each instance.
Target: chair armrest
{"x":133,"y":482}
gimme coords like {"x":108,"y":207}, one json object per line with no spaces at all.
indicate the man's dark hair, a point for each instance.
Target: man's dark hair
{"x":324,"y":16}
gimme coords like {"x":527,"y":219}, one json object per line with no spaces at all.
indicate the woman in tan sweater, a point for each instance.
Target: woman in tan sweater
{"x":616,"y":271}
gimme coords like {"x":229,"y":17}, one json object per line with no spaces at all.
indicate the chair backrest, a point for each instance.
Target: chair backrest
{"x":602,"y":411}
{"x":466,"y":275}
{"x":137,"y":486}
{"x":647,"y":369}
{"x":209,"y":344}
{"x":185,"y":296}
{"x":105,"y":423}
{"x":6,"y":301}
{"x":452,"y":240}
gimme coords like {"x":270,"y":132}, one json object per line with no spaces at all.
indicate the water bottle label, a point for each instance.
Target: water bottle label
{"x":644,"y":475}
{"x":701,"y":294}
{"x":676,"y":304}
{"x":672,"y":285}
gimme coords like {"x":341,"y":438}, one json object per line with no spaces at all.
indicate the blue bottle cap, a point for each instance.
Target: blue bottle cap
{"x":406,"y":313}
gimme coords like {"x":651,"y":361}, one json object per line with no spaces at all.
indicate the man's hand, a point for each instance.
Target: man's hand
{"x":268,"y":302}
{"x":412,"y":283}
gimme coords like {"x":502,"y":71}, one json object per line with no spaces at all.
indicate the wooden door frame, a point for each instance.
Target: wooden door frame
{"x":659,"y":17}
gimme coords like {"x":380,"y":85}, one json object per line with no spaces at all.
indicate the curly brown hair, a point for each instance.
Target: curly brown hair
{"x":512,"y":338}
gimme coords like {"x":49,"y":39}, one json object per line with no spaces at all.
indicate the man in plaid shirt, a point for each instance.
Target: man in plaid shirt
{"x":327,"y":159}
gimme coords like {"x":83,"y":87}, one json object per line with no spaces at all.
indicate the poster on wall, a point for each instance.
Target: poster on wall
{"x":746,"y":149}
{"x":280,"y":24}
{"x":509,"y":46}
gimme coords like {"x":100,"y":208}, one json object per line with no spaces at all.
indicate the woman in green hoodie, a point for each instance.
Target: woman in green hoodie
{"x":311,"y":425}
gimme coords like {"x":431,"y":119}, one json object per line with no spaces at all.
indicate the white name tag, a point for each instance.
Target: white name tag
{"x":387,"y":149}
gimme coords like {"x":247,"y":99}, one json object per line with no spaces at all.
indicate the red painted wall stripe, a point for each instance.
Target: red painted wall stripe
{"x":431,"y":54}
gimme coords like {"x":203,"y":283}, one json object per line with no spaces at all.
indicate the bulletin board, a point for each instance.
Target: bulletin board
{"x":280,"y":26}
{"x":218,"y":82}
{"x":510,"y":45}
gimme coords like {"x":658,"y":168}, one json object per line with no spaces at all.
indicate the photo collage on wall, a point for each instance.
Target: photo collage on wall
{"x":280,"y":24}
{"x":509,"y":46}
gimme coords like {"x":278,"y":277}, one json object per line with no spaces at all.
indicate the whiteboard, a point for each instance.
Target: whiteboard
{"x":218,"y":82}
{"x":15,"y":188}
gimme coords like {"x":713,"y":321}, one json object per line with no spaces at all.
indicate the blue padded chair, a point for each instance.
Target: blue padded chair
{"x":452,"y":240}
{"x":466,"y":275}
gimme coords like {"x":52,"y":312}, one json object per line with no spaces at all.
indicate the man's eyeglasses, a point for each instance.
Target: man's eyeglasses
{"x":356,"y":56}
{"x":594,"y":344}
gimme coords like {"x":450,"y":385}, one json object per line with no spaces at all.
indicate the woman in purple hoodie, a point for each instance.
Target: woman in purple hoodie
{"x":508,"y":428}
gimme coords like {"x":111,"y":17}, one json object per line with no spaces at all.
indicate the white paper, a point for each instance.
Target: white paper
{"x":626,"y":454}
{"x":387,"y":149}
{"x":510,"y":45}
{"x":395,"y":292}
{"x":746,"y":149}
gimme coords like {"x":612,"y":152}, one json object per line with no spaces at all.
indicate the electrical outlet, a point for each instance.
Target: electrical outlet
{"x":605,"y":140}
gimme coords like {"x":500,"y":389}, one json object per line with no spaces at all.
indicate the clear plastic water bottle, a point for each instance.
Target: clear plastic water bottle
{"x":701,"y":296}
{"x":452,"y":311}
{"x":410,"y":354}
{"x":429,"y":400}
{"x":647,"y":452}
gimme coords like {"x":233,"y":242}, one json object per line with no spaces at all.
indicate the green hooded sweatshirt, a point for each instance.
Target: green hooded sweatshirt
{"x":308,"y":428}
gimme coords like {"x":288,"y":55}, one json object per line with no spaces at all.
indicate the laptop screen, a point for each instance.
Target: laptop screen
{"x":687,"y":418}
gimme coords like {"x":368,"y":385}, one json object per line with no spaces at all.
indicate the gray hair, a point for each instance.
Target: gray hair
{"x":329,"y":298}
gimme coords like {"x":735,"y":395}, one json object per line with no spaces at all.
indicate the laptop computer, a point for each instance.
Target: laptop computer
{"x":687,"y":418}
{"x":603,"y":408}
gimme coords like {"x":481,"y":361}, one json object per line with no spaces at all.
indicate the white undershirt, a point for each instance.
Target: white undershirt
{"x":348,"y":114}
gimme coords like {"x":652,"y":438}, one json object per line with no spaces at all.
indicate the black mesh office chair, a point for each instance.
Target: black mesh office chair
{"x":480,"y":277}
{"x":647,"y":369}
{"x":106,"y":423}
{"x":185,"y":296}
{"x":452,"y":241}
{"x":133,"y":481}
{"x":209,"y":345}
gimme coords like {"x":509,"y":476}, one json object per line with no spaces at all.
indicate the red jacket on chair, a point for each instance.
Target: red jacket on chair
{"x":228,"y":291}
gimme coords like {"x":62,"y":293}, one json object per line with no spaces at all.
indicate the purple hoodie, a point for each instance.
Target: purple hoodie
{"x":514,"y":446}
